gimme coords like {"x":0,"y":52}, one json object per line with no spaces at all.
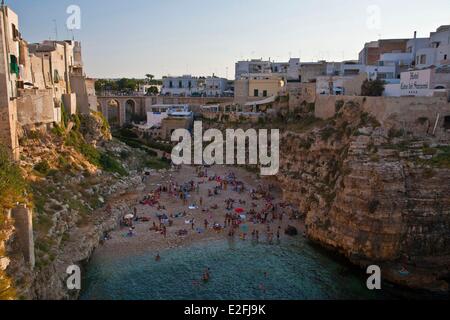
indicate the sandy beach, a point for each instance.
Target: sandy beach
{"x":144,"y":240}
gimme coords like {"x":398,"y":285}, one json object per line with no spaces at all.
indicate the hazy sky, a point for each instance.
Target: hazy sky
{"x":129,"y":38}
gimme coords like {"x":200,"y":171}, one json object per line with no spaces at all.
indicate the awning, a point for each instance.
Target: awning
{"x":261,"y":102}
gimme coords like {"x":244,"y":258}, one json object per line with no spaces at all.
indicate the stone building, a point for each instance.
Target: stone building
{"x":186,"y":85}
{"x":215,"y":86}
{"x":372,"y":51}
{"x":253,"y":86}
{"x":36,"y":80}
{"x":309,"y":71}
{"x":9,"y":74}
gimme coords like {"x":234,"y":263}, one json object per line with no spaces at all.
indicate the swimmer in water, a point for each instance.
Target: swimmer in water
{"x":158,"y":257}
{"x":206,"y":275}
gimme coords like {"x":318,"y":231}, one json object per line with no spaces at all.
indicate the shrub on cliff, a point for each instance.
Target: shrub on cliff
{"x":373,"y":88}
{"x":94,"y":156}
{"x":42,"y":167}
{"x":12,"y":185}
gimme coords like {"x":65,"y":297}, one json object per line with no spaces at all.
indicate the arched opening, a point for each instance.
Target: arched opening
{"x":113,"y":113}
{"x":130,"y":110}
{"x":439,"y":88}
{"x":447,"y":123}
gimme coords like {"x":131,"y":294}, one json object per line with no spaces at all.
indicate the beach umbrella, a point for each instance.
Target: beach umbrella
{"x":239,"y":210}
{"x":129,"y":216}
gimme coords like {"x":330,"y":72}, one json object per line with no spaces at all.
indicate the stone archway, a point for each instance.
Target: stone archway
{"x":130,"y":110}
{"x":113,"y":112}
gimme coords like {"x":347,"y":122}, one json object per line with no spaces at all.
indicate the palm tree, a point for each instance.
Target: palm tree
{"x":149,"y":77}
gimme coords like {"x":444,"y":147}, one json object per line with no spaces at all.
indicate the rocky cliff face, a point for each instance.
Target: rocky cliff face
{"x":73,"y":172}
{"x":375,"y":194}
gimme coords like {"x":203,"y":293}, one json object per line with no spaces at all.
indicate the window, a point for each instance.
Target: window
{"x":15,"y":32}
{"x":447,"y":123}
{"x":170,"y":84}
{"x":423,"y":59}
{"x":445,"y":57}
{"x":265,"y":93}
{"x":180,"y":84}
{"x":14,"y":65}
{"x":256,"y":93}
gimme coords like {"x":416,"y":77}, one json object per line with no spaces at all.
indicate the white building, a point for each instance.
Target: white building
{"x":437,"y":51}
{"x":425,"y":82}
{"x":158,"y":112}
{"x":215,"y":87}
{"x":344,"y":69}
{"x":352,"y":68}
{"x":252,"y":66}
{"x":186,"y":85}
{"x":287,"y":70}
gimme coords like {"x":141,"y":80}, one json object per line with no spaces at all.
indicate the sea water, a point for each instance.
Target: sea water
{"x":290,"y":270}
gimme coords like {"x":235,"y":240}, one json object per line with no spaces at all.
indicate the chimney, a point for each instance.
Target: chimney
{"x":415,"y":48}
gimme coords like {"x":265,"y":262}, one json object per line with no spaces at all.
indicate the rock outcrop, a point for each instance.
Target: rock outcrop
{"x":375,"y":194}
{"x":79,"y":181}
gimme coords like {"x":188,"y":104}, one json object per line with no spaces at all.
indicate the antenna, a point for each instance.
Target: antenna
{"x":56,"y":29}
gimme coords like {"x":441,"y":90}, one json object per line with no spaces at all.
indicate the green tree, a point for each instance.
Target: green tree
{"x":126,"y":84}
{"x":373,"y":88}
{"x":152,"y":91}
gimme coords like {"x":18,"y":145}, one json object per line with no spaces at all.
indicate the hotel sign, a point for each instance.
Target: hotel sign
{"x":416,"y":83}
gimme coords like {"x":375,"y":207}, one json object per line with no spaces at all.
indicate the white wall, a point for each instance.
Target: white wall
{"x":392,"y":90}
{"x":184,"y":89}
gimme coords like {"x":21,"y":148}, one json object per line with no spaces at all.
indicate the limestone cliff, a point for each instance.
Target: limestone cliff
{"x":73,"y":171}
{"x":376,"y":194}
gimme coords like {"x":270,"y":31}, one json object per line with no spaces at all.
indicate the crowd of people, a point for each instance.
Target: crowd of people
{"x":237,"y":217}
{"x":209,"y":202}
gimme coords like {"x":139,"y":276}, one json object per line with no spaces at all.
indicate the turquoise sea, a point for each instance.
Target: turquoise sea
{"x":292,"y":270}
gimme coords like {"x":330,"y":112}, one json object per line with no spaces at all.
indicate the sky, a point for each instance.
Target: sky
{"x":131,"y":38}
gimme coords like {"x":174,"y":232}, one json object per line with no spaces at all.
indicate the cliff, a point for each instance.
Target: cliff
{"x":73,"y":172}
{"x":376,"y":194}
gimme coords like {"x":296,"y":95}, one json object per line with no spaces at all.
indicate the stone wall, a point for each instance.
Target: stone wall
{"x":35,"y":106}
{"x":409,"y":112}
{"x":23,"y":222}
{"x":300,"y":93}
{"x":78,"y":84}
{"x":70,"y":103}
{"x":8,"y":108}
